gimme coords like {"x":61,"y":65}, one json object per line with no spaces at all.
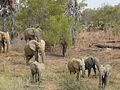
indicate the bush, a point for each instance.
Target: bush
{"x":68,"y":82}
{"x":58,"y":28}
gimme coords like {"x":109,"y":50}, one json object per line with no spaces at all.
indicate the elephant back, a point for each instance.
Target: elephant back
{"x":29,"y":31}
{"x":32,"y":31}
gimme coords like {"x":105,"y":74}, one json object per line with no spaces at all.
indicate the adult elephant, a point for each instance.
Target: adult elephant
{"x":34,"y":48}
{"x":4,"y":41}
{"x":91,"y":62}
{"x":32,"y":34}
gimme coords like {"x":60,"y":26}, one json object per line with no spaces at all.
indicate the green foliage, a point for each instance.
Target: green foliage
{"x":58,"y":28}
{"x":49,"y":15}
{"x":107,"y":14}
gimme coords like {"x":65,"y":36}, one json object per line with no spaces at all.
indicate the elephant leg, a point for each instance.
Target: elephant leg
{"x":39,"y":76}
{"x":3,"y":44}
{"x":36,"y":56}
{"x":94,"y":70}
{"x":28,"y":58}
{"x":89,"y":71}
{"x":63,"y":53}
{"x":105,"y":82}
{"x":32,"y":77}
{"x":0,"y":47}
{"x":64,"y":50}
{"x":83,"y":73}
{"x":77,"y":75}
{"x":102,"y":85}
{"x":36,"y":77}
{"x":7,"y":46}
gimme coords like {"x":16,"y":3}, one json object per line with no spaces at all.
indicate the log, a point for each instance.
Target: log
{"x":107,"y":46}
{"x":113,"y":41}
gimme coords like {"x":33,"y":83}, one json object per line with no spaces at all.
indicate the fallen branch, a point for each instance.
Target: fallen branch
{"x":113,"y":41}
{"x":107,"y":46}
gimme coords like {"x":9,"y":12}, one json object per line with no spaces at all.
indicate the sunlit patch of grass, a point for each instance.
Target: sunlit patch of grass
{"x":9,"y":82}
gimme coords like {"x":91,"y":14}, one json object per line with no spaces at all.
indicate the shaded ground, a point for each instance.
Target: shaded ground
{"x":14,"y":63}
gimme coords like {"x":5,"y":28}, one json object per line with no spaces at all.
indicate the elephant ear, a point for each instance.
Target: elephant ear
{"x":76,"y":64}
{"x":0,"y":37}
{"x":32,"y":46}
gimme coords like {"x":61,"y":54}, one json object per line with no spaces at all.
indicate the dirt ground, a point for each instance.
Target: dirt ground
{"x":14,"y":63}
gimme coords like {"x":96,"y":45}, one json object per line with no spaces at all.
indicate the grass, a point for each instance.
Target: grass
{"x":10,"y":82}
{"x":56,"y":76}
{"x":69,"y":82}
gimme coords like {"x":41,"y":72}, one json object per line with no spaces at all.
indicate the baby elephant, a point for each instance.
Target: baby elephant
{"x":36,"y":70}
{"x":75,"y":65}
{"x":104,"y":74}
{"x":91,"y":62}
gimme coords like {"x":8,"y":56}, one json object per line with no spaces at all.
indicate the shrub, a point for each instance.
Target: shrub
{"x":69,"y":82}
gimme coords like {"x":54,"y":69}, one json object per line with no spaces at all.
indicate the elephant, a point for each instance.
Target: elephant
{"x":34,"y":48}
{"x":104,"y":74}
{"x":4,"y":41}
{"x":36,"y":71}
{"x":91,"y":62}
{"x":64,"y":47}
{"x":32,"y":34}
{"x":75,"y":65}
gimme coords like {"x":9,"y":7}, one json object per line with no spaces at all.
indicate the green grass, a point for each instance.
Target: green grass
{"x":69,"y":82}
{"x":11,"y":82}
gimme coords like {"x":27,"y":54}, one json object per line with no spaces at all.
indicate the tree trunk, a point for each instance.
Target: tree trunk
{"x":12,"y":33}
{"x":107,"y":46}
{"x":4,"y":22}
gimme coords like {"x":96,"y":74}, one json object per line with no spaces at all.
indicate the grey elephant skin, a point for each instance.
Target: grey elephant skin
{"x":105,"y":71}
{"x":36,"y":71}
{"x":32,"y":34}
{"x":33,"y":48}
{"x":91,"y":62}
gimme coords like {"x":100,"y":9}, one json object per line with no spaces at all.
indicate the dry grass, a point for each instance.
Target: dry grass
{"x":15,"y":75}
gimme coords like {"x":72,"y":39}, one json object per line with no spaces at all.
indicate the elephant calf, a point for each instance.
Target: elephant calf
{"x":33,"y":48}
{"x":36,"y":70}
{"x":4,"y":41}
{"x":91,"y":62}
{"x":75,"y":65}
{"x":64,"y":47}
{"x":104,"y":74}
